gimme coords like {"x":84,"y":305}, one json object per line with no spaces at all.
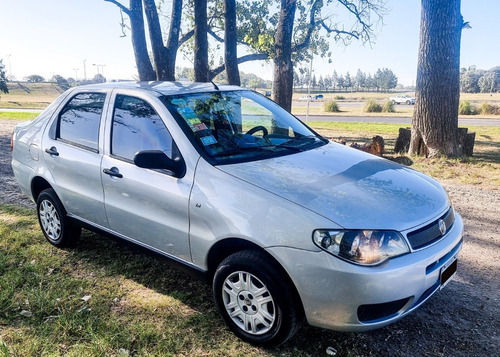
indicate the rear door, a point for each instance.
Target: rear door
{"x":73,"y":153}
{"x":148,"y":206}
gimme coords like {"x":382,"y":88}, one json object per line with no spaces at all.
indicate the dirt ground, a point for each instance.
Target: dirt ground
{"x":461,"y":320}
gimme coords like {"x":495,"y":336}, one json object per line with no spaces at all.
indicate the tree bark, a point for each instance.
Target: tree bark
{"x":201,"y":69}
{"x":230,"y":43}
{"x":283,"y":66}
{"x":144,"y":66}
{"x":173,"y":38}
{"x":242,"y":59}
{"x":435,"y":120}
{"x":156,"y":38}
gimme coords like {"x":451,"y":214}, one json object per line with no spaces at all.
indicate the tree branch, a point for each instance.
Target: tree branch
{"x":310,"y":29}
{"x":214,"y":35}
{"x":246,"y":58}
{"x":186,"y":37}
{"x":121,"y":6}
{"x":337,"y":31}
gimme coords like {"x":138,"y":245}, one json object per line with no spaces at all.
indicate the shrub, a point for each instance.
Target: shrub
{"x":388,"y":107}
{"x":466,"y":108}
{"x":339,"y":97}
{"x":372,"y":107}
{"x":332,"y":106}
{"x":487,"y":108}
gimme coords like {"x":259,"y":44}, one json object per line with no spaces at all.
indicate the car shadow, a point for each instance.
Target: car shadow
{"x":445,"y":325}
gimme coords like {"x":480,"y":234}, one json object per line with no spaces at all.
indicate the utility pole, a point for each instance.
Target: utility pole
{"x":309,"y":88}
{"x":10,"y":66}
{"x":84,"y":70}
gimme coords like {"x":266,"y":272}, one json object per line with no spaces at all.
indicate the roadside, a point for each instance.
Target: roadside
{"x":461,"y":320}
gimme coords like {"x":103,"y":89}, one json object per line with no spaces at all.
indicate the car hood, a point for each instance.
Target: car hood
{"x":352,"y":188}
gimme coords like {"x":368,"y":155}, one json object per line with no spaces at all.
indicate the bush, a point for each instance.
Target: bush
{"x":388,"y":107}
{"x":487,"y":108}
{"x":339,"y":97}
{"x":332,"y":106}
{"x":372,"y":107}
{"x":465,"y":108}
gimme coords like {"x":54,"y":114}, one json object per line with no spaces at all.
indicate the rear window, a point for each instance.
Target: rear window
{"x":80,"y":118}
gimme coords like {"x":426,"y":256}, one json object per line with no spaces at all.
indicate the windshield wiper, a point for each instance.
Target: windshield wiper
{"x":242,"y":149}
{"x":299,"y":143}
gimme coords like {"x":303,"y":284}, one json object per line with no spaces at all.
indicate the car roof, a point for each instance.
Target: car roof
{"x":163,"y":88}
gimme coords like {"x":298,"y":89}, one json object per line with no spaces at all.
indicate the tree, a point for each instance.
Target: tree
{"x":489,"y":81}
{"x":135,"y":14}
{"x":35,"y":78}
{"x":469,"y":79}
{"x":347,"y":81}
{"x":3,"y":80}
{"x":435,"y":120}
{"x":61,"y":81}
{"x":230,"y":42}
{"x":99,"y":78}
{"x":360,"y":80}
{"x":201,"y":68}
{"x":385,"y":79}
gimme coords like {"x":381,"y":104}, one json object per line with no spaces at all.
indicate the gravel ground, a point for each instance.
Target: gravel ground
{"x":461,"y":320}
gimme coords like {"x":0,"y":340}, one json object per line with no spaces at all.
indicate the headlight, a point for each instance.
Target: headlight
{"x":361,"y":247}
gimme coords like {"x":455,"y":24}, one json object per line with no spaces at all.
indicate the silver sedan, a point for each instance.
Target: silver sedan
{"x":285,"y":225}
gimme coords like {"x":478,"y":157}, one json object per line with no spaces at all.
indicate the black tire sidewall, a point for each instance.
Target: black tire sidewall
{"x":51,"y":196}
{"x":279,"y":290}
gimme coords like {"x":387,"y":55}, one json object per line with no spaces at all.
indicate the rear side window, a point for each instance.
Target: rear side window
{"x":79,"y":120}
{"x":137,"y":127}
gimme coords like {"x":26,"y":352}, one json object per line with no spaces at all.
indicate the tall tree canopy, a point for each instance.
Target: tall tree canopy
{"x":435,"y":120}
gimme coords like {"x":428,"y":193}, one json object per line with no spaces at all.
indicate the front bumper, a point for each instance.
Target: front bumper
{"x":345,"y":297}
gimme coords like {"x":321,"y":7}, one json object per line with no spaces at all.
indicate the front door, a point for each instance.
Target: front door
{"x":148,"y":206}
{"x":73,"y":155}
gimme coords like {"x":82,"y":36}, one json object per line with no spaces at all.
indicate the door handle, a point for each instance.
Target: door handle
{"x":52,"y":151}
{"x":113,"y":172}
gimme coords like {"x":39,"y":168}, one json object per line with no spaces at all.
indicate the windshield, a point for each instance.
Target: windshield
{"x":240,"y":126}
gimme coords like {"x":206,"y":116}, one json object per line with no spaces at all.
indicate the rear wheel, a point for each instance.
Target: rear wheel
{"x":255,"y":300}
{"x":54,"y":222}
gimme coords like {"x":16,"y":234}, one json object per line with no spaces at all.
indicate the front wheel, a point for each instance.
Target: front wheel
{"x":54,"y":222}
{"x":255,"y":300}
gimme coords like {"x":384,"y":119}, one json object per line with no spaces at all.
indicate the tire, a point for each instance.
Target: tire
{"x":394,"y":102}
{"x":408,"y":102}
{"x":252,"y":287}
{"x":54,"y":221}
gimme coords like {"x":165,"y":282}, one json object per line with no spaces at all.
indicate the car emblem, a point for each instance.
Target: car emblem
{"x":442,"y":226}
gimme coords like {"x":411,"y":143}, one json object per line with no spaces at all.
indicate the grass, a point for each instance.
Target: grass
{"x":106,"y":299}
{"x":18,"y":115}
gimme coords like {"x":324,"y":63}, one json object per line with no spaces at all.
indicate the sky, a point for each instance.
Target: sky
{"x":49,"y":37}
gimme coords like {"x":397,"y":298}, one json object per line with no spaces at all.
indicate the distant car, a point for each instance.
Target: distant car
{"x":306,"y":98}
{"x":403,"y":99}
{"x":284,"y":224}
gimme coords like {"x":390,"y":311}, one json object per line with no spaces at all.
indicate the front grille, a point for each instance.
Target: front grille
{"x":372,"y":312}
{"x":430,"y":233}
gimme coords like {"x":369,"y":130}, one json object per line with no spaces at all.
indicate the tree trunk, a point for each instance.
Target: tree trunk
{"x":156,"y":38}
{"x":173,"y":38}
{"x":144,"y":67}
{"x":435,"y":120}
{"x":201,"y":69}
{"x":230,"y":43}
{"x":283,"y":66}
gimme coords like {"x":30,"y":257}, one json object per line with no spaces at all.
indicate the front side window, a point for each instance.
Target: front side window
{"x":240,"y":126}
{"x":137,"y":127}
{"x":80,"y":118}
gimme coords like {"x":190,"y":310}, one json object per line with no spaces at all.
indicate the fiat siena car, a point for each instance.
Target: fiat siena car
{"x":285,"y":225}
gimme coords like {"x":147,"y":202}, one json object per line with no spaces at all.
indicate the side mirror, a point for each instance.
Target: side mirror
{"x":157,"y":159}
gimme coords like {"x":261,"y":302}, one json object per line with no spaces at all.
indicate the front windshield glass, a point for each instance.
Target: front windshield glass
{"x":240,"y":126}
